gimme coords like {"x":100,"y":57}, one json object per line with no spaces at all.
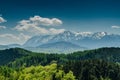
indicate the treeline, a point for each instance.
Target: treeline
{"x":71,"y":70}
{"x":29,"y":58}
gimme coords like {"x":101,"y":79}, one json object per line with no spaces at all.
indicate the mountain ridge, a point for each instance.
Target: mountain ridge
{"x":77,"y":38}
{"x":86,"y":40}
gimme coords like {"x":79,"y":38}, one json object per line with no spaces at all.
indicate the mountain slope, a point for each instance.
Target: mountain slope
{"x":61,"y":44}
{"x":59,"y":47}
{"x":85,"y":39}
{"x":37,"y":40}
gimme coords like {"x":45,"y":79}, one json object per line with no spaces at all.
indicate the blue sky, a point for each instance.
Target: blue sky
{"x":75,"y":15}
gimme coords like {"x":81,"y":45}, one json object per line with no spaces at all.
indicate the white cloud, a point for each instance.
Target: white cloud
{"x":12,"y":38}
{"x":32,"y":28}
{"x":2,"y":20}
{"x":2,"y":27}
{"x":116,"y":27}
{"x":40,"y":21}
{"x":45,"y":21}
{"x":36,"y":25}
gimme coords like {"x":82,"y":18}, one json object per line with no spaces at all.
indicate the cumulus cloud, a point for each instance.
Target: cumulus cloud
{"x":45,"y":21}
{"x":2,"y":27}
{"x":40,"y":21}
{"x":116,"y":27}
{"x":12,"y":38}
{"x":37,"y":30}
{"x":37,"y":25}
{"x":31,"y":28}
{"x":2,"y":20}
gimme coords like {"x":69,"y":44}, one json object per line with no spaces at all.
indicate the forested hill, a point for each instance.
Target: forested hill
{"x":16,"y":57}
{"x":97,"y":64}
{"x":12,"y":54}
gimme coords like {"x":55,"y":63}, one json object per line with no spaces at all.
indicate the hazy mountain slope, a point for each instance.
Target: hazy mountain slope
{"x":89,"y":40}
{"x":37,"y":40}
{"x":2,"y":47}
{"x":60,"y":45}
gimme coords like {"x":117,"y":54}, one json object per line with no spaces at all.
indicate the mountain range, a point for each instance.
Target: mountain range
{"x":68,"y":41}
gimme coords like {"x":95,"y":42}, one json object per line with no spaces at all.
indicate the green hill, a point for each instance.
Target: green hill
{"x":12,"y":54}
{"x":16,"y":57}
{"x":97,"y":64}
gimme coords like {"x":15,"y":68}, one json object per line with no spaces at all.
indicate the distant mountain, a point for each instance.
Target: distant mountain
{"x":14,"y":45}
{"x":2,"y":47}
{"x":38,"y":40}
{"x":68,"y":41}
{"x":83,"y":39}
{"x":62,"y":45}
{"x":57,"y":47}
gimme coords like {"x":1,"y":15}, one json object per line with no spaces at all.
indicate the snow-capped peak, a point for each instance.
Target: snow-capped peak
{"x":67,"y":33}
{"x":99,"y":35}
{"x":83,"y":33}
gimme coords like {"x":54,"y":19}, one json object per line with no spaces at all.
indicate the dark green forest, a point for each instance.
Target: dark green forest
{"x":97,"y":64}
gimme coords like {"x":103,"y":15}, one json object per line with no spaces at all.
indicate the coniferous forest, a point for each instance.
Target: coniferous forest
{"x":97,"y":64}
